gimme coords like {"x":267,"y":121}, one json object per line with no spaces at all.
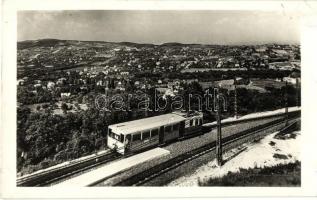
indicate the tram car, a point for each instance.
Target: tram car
{"x":141,"y":134}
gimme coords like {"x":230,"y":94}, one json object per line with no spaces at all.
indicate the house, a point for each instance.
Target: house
{"x":124,"y":73}
{"x":290,"y":80}
{"x":50,"y":85}
{"x":137,"y":83}
{"x":100,"y":83}
{"x":65,"y":95}
{"x":37,"y":85}
{"x":165,"y":92}
{"x":61,"y":81}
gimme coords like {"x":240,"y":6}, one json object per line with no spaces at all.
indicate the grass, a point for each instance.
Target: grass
{"x":284,"y":175}
{"x":262,"y":83}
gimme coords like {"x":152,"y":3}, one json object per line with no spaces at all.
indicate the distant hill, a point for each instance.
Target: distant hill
{"x":176,"y":44}
{"x":39,"y":43}
{"x":133,"y":44}
{"x":172,"y":44}
{"x":56,"y":42}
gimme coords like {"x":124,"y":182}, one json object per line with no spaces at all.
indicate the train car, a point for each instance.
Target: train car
{"x":192,"y":124}
{"x":143,"y":133}
{"x":153,"y":131}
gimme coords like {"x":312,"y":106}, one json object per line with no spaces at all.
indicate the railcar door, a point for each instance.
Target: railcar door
{"x":181,"y":129}
{"x":161,"y":135}
{"x":128,"y":142}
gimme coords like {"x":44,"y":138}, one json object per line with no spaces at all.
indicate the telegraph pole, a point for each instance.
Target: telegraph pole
{"x":235,"y":99}
{"x":286,"y":104}
{"x":297,"y":92}
{"x":219,"y":136}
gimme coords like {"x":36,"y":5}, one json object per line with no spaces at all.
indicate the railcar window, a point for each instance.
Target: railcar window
{"x":191,"y":122}
{"x":136,"y":137}
{"x":121,"y":138}
{"x":168,"y":128}
{"x":145,"y":135}
{"x":154,"y":132}
{"x":110,"y":133}
{"x":116,"y":137}
{"x":113,"y":135}
{"x":200,"y":121}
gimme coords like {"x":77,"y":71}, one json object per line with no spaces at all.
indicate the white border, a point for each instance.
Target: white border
{"x":8,"y":99}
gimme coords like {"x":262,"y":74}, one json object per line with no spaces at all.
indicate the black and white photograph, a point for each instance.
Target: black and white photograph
{"x":158,"y":98}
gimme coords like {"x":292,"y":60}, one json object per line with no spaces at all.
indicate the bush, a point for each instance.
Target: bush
{"x":279,"y":175}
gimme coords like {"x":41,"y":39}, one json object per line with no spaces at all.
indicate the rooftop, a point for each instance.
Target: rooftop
{"x":146,"y":123}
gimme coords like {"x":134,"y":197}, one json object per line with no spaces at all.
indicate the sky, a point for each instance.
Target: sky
{"x":157,"y":27}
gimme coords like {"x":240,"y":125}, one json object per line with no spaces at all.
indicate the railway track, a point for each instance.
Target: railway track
{"x":291,"y":127}
{"x":58,"y":174}
{"x":208,"y":127}
{"x":151,"y":173}
{"x":61,"y":173}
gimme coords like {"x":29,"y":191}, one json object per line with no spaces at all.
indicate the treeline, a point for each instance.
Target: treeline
{"x":220,"y":75}
{"x":45,"y":139}
{"x":250,"y":101}
{"x":27,"y":97}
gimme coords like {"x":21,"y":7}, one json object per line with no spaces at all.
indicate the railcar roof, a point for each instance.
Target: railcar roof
{"x":146,"y":123}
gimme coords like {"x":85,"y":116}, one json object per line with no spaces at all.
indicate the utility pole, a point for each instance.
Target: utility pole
{"x":286,"y":104}
{"x":235,"y":99}
{"x":297,"y":92}
{"x":107,"y":88}
{"x":219,"y":136}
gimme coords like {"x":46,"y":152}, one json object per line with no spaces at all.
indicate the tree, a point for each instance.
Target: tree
{"x":64,"y":107}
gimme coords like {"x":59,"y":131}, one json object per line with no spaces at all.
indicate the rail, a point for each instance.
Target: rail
{"x":229,"y":123}
{"x":55,"y":174}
